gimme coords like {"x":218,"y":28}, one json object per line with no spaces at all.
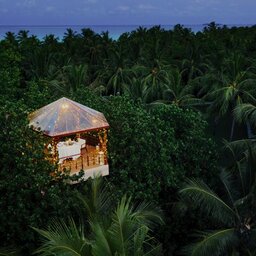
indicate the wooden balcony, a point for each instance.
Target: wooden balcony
{"x":91,"y":161}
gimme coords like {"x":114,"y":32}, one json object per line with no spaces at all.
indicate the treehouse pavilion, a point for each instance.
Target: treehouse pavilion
{"x":78,"y":136}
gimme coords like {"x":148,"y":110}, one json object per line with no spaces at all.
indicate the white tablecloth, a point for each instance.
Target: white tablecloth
{"x":69,"y":151}
{"x":81,"y":142}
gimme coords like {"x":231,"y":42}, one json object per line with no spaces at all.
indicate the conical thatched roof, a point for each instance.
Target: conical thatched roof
{"x":65,"y":117}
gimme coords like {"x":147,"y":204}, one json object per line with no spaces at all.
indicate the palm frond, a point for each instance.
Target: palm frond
{"x":144,"y":245}
{"x":122,"y":227}
{"x":228,"y":181}
{"x":244,"y":156}
{"x":8,"y":251}
{"x":64,"y":239}
{"x":148,"y":214}
{"x":203,"y":197}
{"x":213,"y":243}
{"x":245,"y":112}
{"x":101,"y":245}
{"x":98,"y":202}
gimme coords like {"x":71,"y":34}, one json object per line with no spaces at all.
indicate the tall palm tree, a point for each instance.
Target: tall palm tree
{"x":246,"y":113}
{"x":117,"y":72}
{"x":41,"y":61}
{"x":70,"y":39}
{"x":175,"y":92}
{"x":23,"y":35}
{"x":123,"y":230}
{"x":11,"y":37}
{"x":76,"y":76}
{"x":232,"y":208}
{"x":155,"y":80}
{"x":136,"y":90}
{"x":233,"y":86}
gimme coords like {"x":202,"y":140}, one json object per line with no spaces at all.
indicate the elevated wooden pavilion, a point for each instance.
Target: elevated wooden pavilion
{"x":78,"y":136}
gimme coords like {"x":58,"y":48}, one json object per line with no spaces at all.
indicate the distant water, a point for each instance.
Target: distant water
{"x":114,"y":31}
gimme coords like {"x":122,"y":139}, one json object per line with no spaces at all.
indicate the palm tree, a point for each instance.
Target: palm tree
{"x":232,"y":209}
{"x":41,"y":61}
{"x":117,"y":72}
{"x":136,"y":90}
{"x":137,"y":44}
{"x":124,"y":230}
{"x":155,"y":80}
{"x":69,"y":79}
{"x":233,"y":86}
{"x":51,"y":42}
{"x":76,"y":76}
{"x":70,"y":38}
{"x":246,"y":113}
{"x":175,"y":92}
{"x":23,"y":35}
{"x":11,"y":37}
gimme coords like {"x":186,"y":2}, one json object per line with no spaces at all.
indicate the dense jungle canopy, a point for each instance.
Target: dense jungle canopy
{"x":171,"y":98}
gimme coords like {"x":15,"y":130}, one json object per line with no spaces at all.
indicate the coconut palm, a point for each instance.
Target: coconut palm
{"x":41,"y":60}
{"x":69,"y":39}
{"x":175,"y":92}
{"x":123,"y":230}
{"x":136,"y":90}
{"x":11,"y":37}
{"x":232,"y":208}
{"x":233,"y":86}
{"x":76,"y":76}
{"x":155,"y":80}
{"x":22,"y":35}
{"x":246,"y":113}
{"x":117,"y":72}
{"x":51,"y":42}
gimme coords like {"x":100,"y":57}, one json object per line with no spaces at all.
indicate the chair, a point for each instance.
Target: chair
{"x":81,"y":142}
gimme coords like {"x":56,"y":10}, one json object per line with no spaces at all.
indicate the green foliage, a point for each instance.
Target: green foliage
{"x":9,"y":71}
{"x":231,"y":207}
{"x":152,"y":147}
{"x":29,"y":195}
{"x":152,"y":152}
{"x":124,"y":229}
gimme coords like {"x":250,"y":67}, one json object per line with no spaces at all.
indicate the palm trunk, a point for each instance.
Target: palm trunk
{"x":249,"y":130}
{"x":232,"y":129}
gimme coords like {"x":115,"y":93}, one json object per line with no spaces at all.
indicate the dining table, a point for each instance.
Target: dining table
{"x":70,"y":149}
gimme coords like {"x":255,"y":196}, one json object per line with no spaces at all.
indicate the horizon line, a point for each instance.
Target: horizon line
{"x":121,"y":25}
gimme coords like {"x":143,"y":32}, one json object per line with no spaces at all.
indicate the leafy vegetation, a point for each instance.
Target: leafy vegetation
{"x":121,"y":230}
{"x":232,"y":210}
{"x":170,"y":97}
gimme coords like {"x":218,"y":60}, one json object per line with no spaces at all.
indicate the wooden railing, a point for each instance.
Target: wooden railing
{"x":83,"y":162}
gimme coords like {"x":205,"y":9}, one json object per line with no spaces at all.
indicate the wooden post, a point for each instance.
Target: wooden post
{"x":103,"y":142}
{"x":55,"y":151}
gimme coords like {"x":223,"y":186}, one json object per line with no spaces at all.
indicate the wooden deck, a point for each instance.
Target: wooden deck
{"x":90,"y":159}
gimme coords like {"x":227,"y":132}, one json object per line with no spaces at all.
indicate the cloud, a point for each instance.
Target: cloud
{"x":50,"y":8}
{"x":123,"y":8}
{"x":26,"y":3}
{"x":91,"y":1}
{"x":29,"y":3}
{"x":146,"y":7}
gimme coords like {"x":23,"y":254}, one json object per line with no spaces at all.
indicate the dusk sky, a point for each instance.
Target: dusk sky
{"x":118,"y":12}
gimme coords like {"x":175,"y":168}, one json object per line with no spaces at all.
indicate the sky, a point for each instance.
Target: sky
{"x":126,"y":12}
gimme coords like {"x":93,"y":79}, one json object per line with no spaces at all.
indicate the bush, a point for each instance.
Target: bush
{"x":29,"y":195}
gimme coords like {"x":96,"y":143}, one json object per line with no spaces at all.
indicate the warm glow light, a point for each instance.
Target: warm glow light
{"x":94,"y":120}
{"x":64,"y":106}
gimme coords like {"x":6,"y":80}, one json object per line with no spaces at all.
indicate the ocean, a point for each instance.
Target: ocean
{"x":114,"y":31}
